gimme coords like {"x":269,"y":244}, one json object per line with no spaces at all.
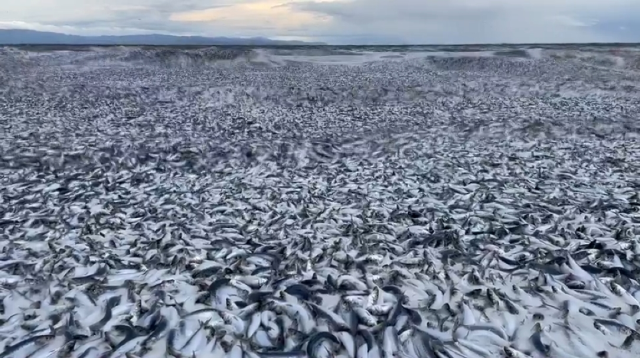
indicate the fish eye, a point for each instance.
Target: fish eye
{"x":538,"y":316}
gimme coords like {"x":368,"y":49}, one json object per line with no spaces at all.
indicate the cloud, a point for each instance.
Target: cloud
{"x":104,"y":17}
{"x":469,"y":21}
{"x":340,"y":21}
{"x":269,"y":14}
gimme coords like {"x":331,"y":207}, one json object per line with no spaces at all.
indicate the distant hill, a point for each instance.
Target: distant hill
{"x":31,"y":37}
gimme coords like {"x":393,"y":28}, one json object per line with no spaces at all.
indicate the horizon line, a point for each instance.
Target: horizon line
{"x":283,"y":43}
{"x":299,"y":43}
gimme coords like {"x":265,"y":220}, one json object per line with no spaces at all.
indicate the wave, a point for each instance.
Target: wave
{"x":477,"y":57}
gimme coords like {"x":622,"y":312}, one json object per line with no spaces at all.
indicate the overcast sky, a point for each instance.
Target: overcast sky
{"x":339,"y":21}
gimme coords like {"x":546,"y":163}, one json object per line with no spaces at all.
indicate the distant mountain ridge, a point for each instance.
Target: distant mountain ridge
{"x":32,"y":37}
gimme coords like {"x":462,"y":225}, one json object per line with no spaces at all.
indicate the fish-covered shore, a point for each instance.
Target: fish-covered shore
{"x":322,"y":202}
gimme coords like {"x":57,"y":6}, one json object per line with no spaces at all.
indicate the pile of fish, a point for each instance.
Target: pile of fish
{"x":515,"y":238}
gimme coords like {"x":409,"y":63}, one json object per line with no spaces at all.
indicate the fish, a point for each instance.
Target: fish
{"x":258,"y":202}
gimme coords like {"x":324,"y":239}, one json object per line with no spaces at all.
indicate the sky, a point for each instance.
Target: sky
{"x":339,"y":21}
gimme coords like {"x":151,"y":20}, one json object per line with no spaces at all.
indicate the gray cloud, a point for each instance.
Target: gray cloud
{"x":482,"y":21}
{"x":116,"y":17}
{"x":342,"y":21}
